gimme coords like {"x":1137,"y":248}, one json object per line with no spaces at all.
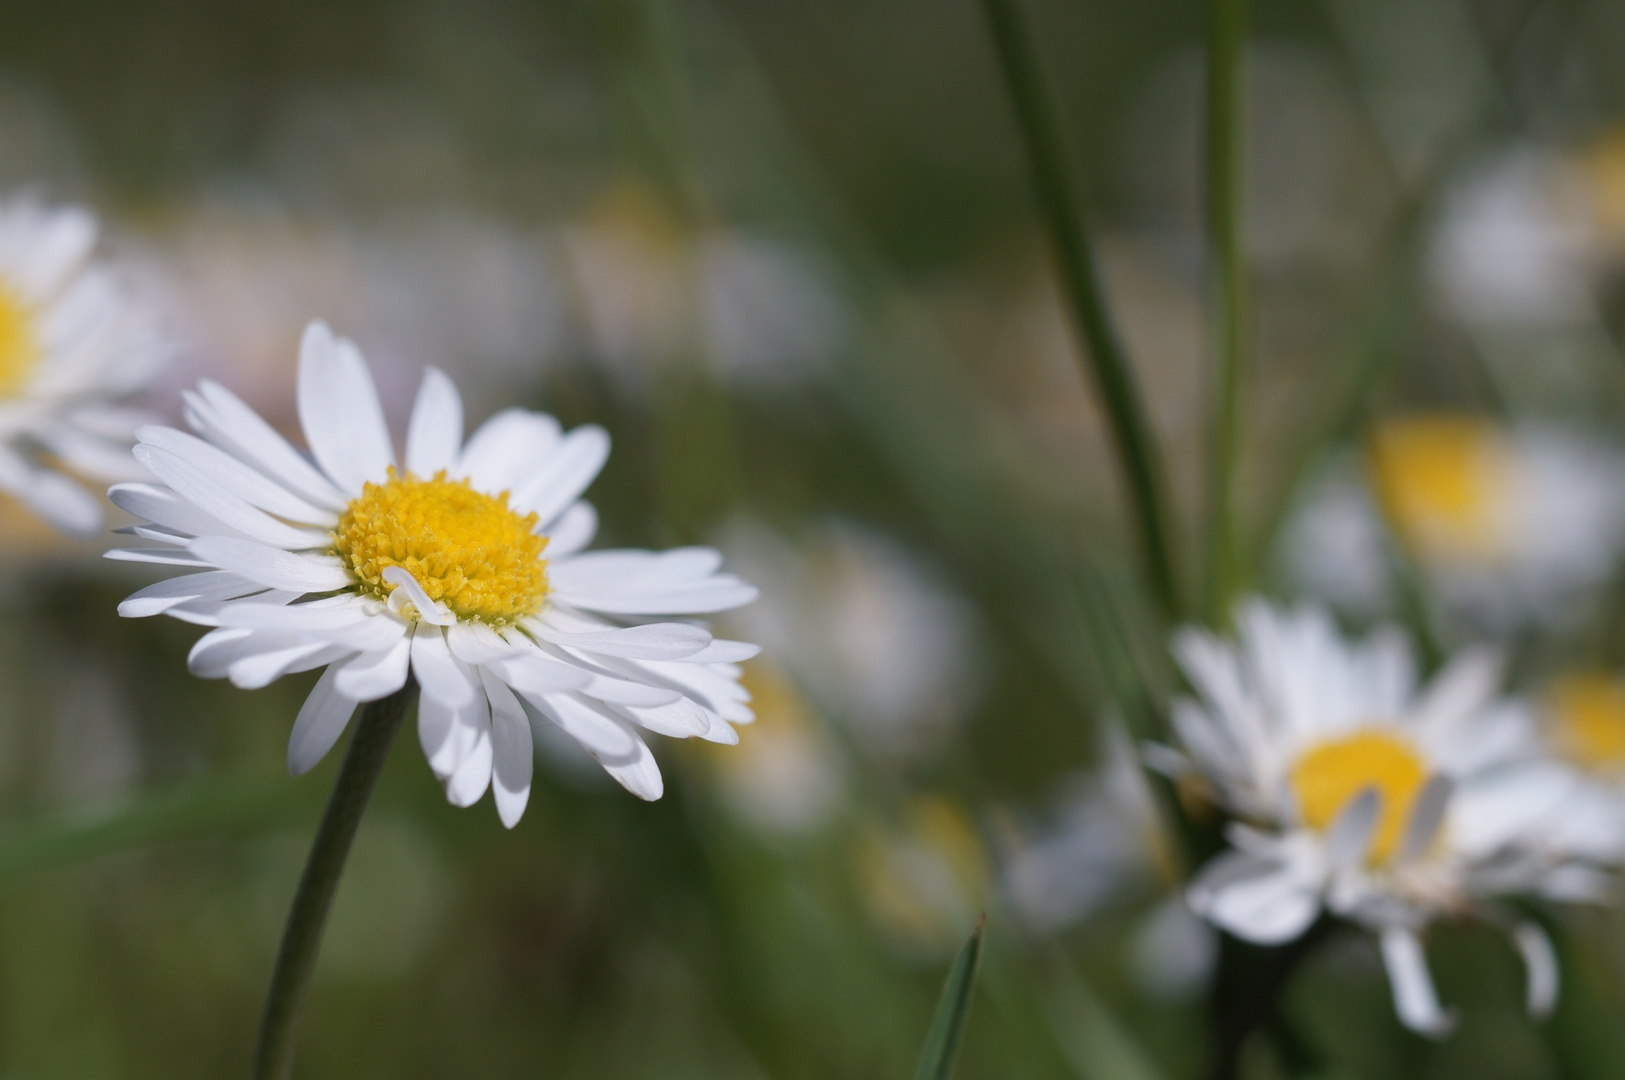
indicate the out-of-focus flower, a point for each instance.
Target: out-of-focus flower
{"x":1108,"y":844}
{"x":786,"y":775}
{"x":1583,"y":714}
{"x":71,"y":346}
{"x":1512,"y":244}
{"x":1360,"y":792}
{"x":463,"y":570}
{"x":1107,"y":841}
{"x":880,"y":640}
{"x":923,"y":882}
{"x":758,"y":309}
{"x":1505,"y":523}
{"x":238,"y":283}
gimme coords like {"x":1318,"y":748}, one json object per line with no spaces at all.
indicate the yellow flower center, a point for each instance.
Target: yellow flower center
{"x":1587,"y":714}
{"x":467,"y":549}
{"x":1330,"y":775}
{"x":19,"y":342}
{"x":1437,"y":479}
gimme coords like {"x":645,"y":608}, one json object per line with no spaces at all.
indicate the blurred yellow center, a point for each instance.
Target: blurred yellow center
{"x":468,"y":549}
{"x":19,"y":344}
{"x":1437,"y":478}
{"x":1588,"y":717}
{"x":1329,"y":776}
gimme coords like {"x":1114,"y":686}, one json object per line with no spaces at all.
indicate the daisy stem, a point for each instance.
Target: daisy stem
{"x":302,"y":937}
{"x":1225,"y":239}
{"x":1039,"y":119}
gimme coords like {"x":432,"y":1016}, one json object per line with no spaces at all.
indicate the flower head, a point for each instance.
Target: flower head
{"x":1359,"y":791}
{"x":71,"y":344}
{"x":461,"y":566}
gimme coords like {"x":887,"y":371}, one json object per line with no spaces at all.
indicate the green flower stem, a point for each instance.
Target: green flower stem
{"x":302,"y":937}
{"x":1224,"y":206}
{"x":1040,"y":125}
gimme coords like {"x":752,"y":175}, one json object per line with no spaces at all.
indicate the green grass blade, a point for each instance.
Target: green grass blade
{"x":948,"y":1025}
{"x":1041,"y":130}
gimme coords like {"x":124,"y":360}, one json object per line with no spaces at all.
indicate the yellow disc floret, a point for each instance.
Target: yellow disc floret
{"x":467,"y":549}
{"x":19,"y":342}
{"x":1332,"y":774}
{"x":1588,"y":720}
{"x":1439,"y":479}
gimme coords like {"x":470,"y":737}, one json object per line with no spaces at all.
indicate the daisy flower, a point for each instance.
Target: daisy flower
{"x":71,"y":344}
{"x":1583,"y":721}
{"x":1359,"y":791}
{"x":462,"y":567}
{"x":1505,"y":524}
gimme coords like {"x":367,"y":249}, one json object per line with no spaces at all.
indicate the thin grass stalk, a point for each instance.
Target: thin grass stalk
{"x":302,"y":937}
{"x":1107,"y":361}
{"x":1225,"y":187}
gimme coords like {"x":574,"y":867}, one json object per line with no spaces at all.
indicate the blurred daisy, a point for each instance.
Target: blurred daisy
{"x":1505,"y":523}
{"x":924,"y":880}
{"x":1360,"y":792}
{"x":1583,"y":714}
{"x":71,"y":345}
{"x":786,"y":775}
{"x":464,"y":569}
{"x":1107,"y":845}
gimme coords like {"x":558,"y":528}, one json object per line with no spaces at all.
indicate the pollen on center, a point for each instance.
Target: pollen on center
{"x":470,"y":550}
{"x":19,"y":342}
{"x":1332,"y":774}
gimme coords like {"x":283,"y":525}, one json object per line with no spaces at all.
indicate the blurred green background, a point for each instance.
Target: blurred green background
{"x":786,"y":252}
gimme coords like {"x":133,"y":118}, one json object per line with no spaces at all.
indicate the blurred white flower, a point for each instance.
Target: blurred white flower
{"x":786,"y":775}
{"x":1512,"y":245}
{"x":1106,"y":842}
{"x":72,"y":346}
{"x":436,"y":572}
{"x":1506,"y":524}
{"x":1358,"y":791}
{"x":925,"y":878}
{"x":759,"y":310}
{"x":879,"y":639}
{"x":1583,"y":721}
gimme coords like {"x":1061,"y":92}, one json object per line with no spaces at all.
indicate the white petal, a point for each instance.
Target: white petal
{"x":608,"y":738}
{"x":721,"y":593}
{"x":249,"y":484}
{"x":654,"y":641}
{"x":441,"y":677}
{"x":534,"y":673}
{"x":375,"y":675}
{"x":1349,"y":838}
{"x":158,"y":556}
{"x":408,"y":590}
{"x":472,"y":773}
{"x":272,"y":566}
{"x":1427,"y":814}
{"x":340,"y":411}
{"x":721,"y":651}
{"x":261,"y":669}
{"x":435,"y":433}
{"x":159,"y":597}
{"x":90,"y":455}
{"x":210,"y":494}
{"x":573,"y":531}
{"x":1540,"y":964}
{"x":53,"y":497}
{"x":221,"y":417}
{"x":1415,"y":1000}
{"x":1256,"y":899}
{"x":513,"y":757}
{"x":321,"y":721}
{"x":1459,"y":692}
{"x":565,"y":473}
{"x":161,"y":506}
{"x":506,"y":448}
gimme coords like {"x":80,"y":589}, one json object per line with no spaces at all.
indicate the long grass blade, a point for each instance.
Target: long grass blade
{"x":953,"y":1008}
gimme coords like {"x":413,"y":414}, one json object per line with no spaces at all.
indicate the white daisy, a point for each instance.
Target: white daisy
{"x":71,"y":344}
{"x":1505,"y":524}
{"x":464,"y":568}
{"x":1358,"y":791}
